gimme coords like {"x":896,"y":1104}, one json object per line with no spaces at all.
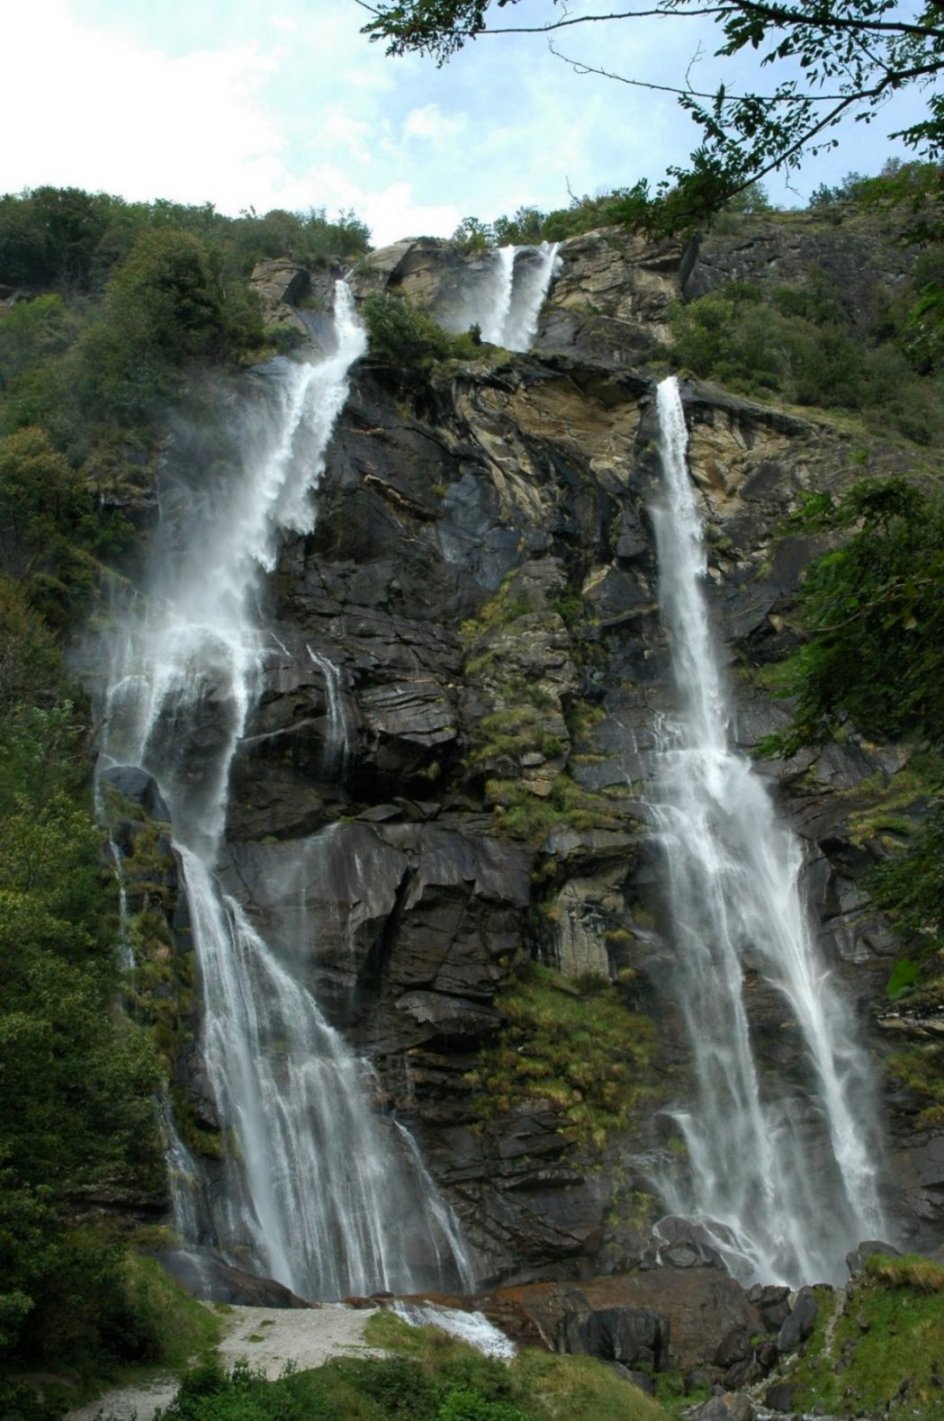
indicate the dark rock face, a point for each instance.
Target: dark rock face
{"x":627,"y":1335}
{"x":680,"y":1319}
{"x":211,"y":1280}
{"x":137,"y":786}
{"x":799,"y":1322}
{"x":466,"y":794}
{"x":854,"y":255}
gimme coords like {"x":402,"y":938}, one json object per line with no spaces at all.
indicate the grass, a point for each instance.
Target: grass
{"x":582,"y":1049}
{"x":522,"y":814}
{"x":887,"y":1349}
{"x":546,"y":1386}
{"x":424,"y":1376}
{"x":880,"y":799}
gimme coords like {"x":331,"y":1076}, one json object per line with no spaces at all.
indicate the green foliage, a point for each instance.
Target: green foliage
{"x":49,"y":533}
{"x":68,"y":240}
{"x":33,"y":332}
{"x":30,"y":666}
{"x":55,"y":237}
{"x":407,"y":339}
{"x":874,"y":618}
{"x":524,"y":228}
{"x":165,"y":306}
{"x":129,"y":301}
{"x":77,"y":1079}
{"x":523,"y":814}
{"x":881,"y":1351}
{"x":577,"y":1046}
{"x":543,"y":1385}
{"x":795,"y":343}
{"x":903,"y":976}
{"x":911,"y":886}
{"x":458,"y":1387}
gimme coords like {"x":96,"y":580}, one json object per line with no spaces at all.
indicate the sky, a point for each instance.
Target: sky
{"x":255,"y":104}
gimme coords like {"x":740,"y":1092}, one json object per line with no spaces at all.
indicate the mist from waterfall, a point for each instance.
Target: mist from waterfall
{"x":314,"y":1188}
{"x":505,"y":297}
{"x":781,"y":1172}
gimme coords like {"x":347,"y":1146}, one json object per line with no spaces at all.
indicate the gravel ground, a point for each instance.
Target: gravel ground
{"x":268,"y":1338}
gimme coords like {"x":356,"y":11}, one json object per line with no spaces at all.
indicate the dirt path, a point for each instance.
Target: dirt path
{"x":268,"y":1338}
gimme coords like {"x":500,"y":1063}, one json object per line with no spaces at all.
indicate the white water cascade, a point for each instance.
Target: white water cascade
{"x":314,"y":1189}
{"x":506,"y":299}
{"x":782,"y":1172}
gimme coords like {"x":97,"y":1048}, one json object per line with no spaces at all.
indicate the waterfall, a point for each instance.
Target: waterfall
{"x":506,"y":298}
{"x":314,"y":1188}
{"x":782,"y":1172}
{"x":337,"y":739}
{"x":498,"y":294}
{"x":533,"y":270}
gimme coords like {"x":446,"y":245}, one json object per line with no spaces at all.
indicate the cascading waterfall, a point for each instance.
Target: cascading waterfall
{"x":533,"y":270}
{"x":782,"y":1174}
{"x":497,"y":304}
{"x":506,"y":300}
{"x":315,"y":1189}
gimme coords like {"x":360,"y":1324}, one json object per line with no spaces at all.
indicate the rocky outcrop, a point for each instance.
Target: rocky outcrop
{"x":281,"y":286}
{"x":856,"y":253}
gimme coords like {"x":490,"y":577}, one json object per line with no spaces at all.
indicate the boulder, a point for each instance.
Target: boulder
{"x":208,"y":1278}
{"x":799,"y":1322}
{"x":628,"y":1335}
{"x":136,"y":785}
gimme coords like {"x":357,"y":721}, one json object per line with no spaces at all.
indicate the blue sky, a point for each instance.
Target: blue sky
{"x":283,"y":103}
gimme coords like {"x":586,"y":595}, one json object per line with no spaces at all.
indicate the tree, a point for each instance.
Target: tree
{"x":852,"y":54}
{"x":874,"y":619}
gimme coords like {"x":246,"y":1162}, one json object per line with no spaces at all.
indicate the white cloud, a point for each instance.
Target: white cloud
{"x":225,"y":102}
{"x":430,"y":122}
{"x":119,"y":116}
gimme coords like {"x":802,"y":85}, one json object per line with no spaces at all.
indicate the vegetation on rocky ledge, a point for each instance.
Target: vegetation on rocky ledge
{"x":577,"y":1045}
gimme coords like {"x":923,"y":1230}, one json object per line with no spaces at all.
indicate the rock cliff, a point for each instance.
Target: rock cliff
{"x":444,"y":779}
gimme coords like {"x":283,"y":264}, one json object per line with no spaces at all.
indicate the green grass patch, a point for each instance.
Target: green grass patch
{"x":580,"y":1047}
{"x":886,"y":1347}
{"x":542,"y":1384}
{"x":428,"y":1377}
{"x":522,"y":814}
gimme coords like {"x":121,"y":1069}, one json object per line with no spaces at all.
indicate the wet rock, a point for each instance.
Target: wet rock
{"x":772,"y":1301}
{"x":781,"y":1396}
{"x":137,"y":786}
{"x":483,"y":544}
{"x":280,"y":285}
{"x":628,"y":1335}
{"x":206,"y":1277}
{"x":701,"y":1308}
{"x":736,"y":1347}
{"x":799,"y":1322}
{"x":859,"y":1257}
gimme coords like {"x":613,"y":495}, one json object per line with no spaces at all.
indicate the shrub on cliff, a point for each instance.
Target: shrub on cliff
{"x":407,"y":339}
{"x":793,"y":342}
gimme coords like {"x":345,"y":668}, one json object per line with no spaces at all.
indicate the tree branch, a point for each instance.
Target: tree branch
{"x":579,"y":67}
{"x":796,"y":19}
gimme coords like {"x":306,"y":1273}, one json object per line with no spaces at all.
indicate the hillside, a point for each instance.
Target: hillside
{"x":423,"y":755}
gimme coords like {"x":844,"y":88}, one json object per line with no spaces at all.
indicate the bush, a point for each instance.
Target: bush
{"x":408,"y":339}
{"x":795,"y":343}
